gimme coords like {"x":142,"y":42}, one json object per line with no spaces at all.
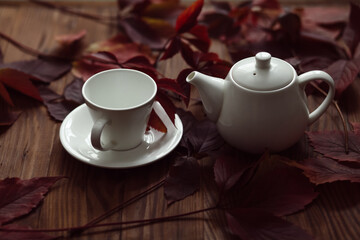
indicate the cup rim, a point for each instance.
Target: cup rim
{"x":94,"y":105}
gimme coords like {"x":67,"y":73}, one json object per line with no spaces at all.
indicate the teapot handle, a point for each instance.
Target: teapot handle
{"x":305,"y":78}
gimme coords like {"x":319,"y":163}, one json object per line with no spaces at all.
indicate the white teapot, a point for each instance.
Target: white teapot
{"x":261,"y":104}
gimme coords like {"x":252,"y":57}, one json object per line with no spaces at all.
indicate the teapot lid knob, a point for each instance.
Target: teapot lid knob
{"x":263,"y":60}
{"x":262,"y":72}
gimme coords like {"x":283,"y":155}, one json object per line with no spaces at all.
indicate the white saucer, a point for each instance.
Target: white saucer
{"x":75,"y":137}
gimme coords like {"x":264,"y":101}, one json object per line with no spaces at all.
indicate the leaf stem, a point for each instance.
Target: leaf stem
{"x":126,"y":203}
{"x":345,"y":127}
{"x":98,"y":18}
{"x":153,"y":220}
{"x":346,"y":133}
{"x":162,"y":50}
{"x":30,"y":50}
{"x":85,"y":227}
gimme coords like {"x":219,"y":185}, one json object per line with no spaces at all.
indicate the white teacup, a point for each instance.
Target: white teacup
{"x":120,"y":102}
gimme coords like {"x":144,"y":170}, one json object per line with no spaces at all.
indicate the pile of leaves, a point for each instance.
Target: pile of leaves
{"x":253,"y":191}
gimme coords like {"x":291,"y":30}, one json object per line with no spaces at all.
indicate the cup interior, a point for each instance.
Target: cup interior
{"x":119,"y":89}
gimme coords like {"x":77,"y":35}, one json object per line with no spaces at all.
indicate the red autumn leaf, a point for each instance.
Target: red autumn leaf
{"x":57,"y":106}
{"x":265,"y":183}
{"x":40,"y":69}
{"x":163,"y":9}
{"x":156,"y":123}
{"x":5,"y":234}
{"x":113,"y":53}
{"x":136,"y":6}
{"x":290,"y":26}
{"x":188,"y":18}
{"x":265,"y":190}
{"x":256,"y":224}
{"x":202,"y":40}
{"x":217,"y":69}
{"x":84,"y":68}
{"x":332,"y":144}
{"x":93,"y":63}
{"x":68,"y":39}
{"x":19,"y":197}
{"x":188,"y":54}
{"x":141,"y":63}
{"x":356,"y":127}
{"x":140,"y":32}
{"x":122,"y":47}
{"x":275,"y":48}
{"x":220,"y":25}
{"x":187,"y":119}
{"x":102,"y":57}
{"x":183,"y":179}
{"x":324,"y":15}
{"x":199,"y":136}
{"x":181,"y":43}
{"x":351,"y":35}
{"x":270,"y":4}
{"x":110,"y":43}
{"x":172,"y":49}
{"x":7,"y":118}
{"x":186,"y":89}
{"x":211,"y":64}
{"x":229,"y":169}
{"x":161,"y":27}
{"x":73,"y":91}
{"x":326,"y":170}
{"x":208,"y":62}
{"x":5,"y":94}
{"x":312,"y":44}
{"x":311,"y":63}
{"x":170,"y":84}
{"x":147,"y":22}
{"x":18,"y":81}
{"x":287,"y":37}
{"x":100,"y":61}
{"x":327,"y":21}
{"x":281,"y":191}
{"x":167,"y":104}
{"x":344,"y":73}
{"x":225,"y":21}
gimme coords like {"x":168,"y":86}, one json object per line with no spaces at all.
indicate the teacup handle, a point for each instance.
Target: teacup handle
{"x":305,"y":78}
{"x":100,"y":124}
{"x":160,"y":111}
{"x":95,"y":135}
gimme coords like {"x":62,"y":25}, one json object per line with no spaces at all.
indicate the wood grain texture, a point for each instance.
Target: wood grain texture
{"x":31,"y":148}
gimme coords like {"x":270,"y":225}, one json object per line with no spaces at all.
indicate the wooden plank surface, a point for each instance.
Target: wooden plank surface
{"x":31,"y":148}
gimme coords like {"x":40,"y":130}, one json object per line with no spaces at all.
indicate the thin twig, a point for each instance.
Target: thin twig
{"x":153,"y":220}
{"x":30,"y":50}
{"x":346,"y":133}
{"x":126,"y":203}
{"x":85,"y":227}
{"x":98,"y":18}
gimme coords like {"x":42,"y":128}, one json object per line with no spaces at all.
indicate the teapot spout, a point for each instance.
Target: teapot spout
{"x":211,"y":90}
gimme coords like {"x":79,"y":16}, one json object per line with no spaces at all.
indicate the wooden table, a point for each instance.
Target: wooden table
{"x":31,"y":148}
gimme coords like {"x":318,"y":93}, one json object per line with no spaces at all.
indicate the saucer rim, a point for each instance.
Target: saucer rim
{"x":70,"y":150}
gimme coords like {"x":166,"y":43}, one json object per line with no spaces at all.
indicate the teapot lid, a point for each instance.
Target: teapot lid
{"x":262,"y":72}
